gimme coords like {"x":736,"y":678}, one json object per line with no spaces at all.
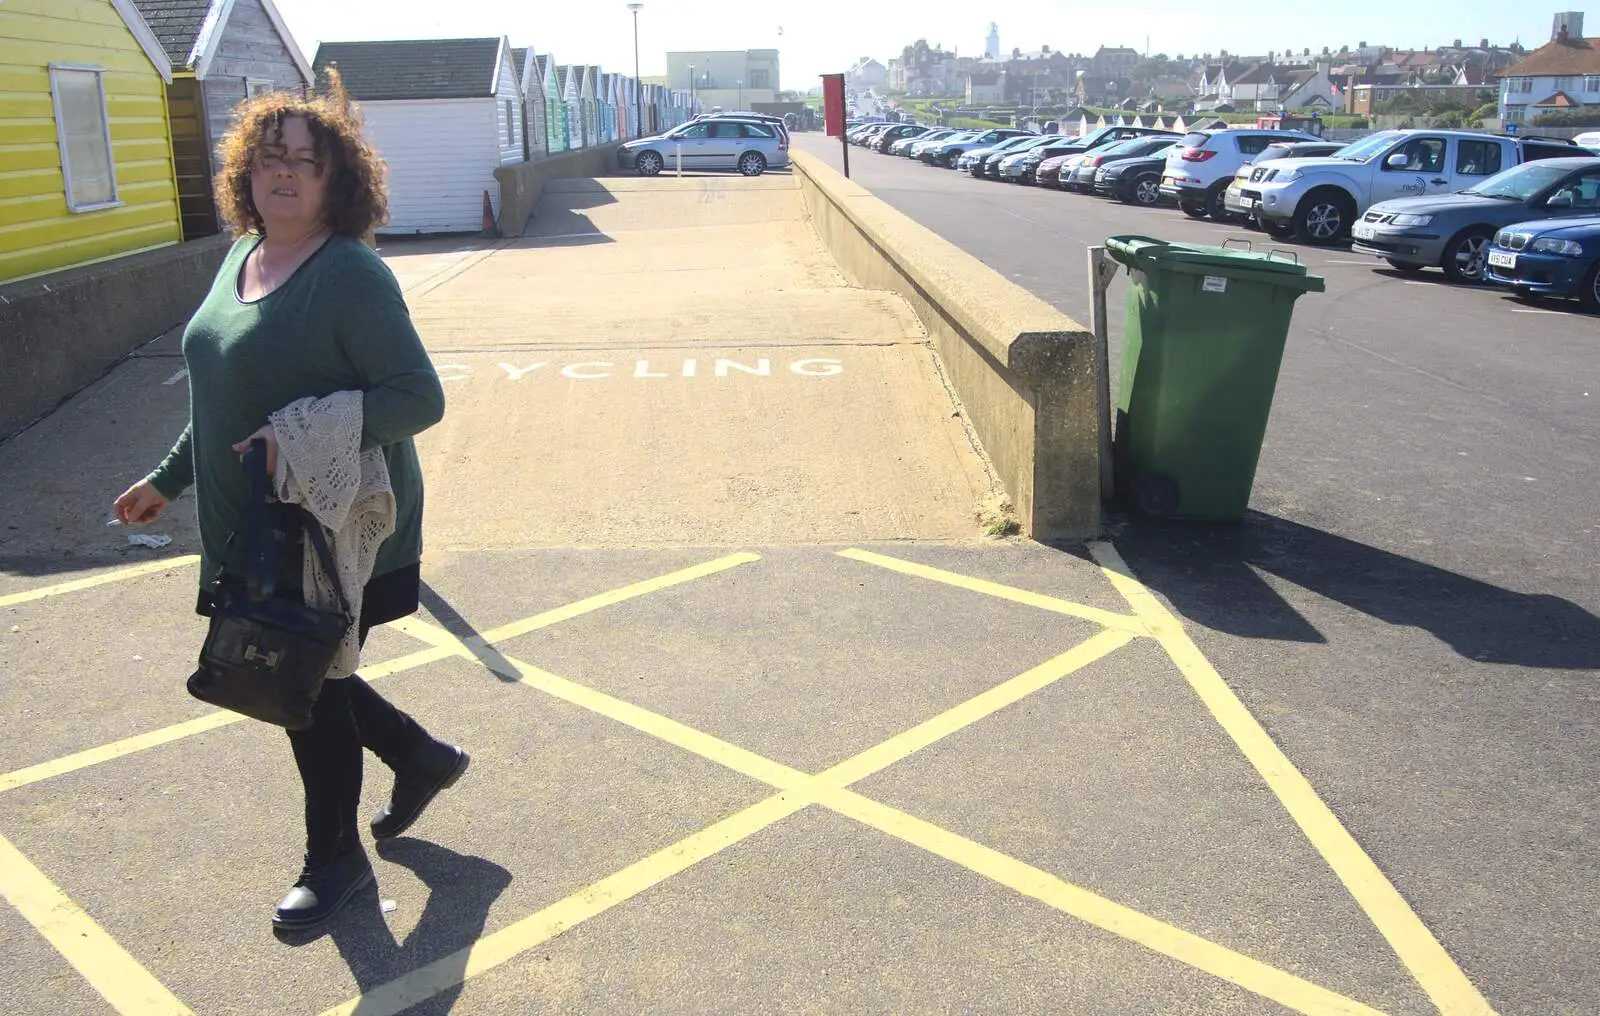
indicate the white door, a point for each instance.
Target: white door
{"x":1413,"y":168}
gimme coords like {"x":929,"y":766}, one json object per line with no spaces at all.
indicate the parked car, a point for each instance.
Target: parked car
{"x":971,"y":161}
{"x":990,"y":166}
{"x":1200,"y":167}
{"x":866,"y":137}
{"x":1318,"y":200}
{"x":1023,"y":166}
{"x":749,"y":146}
{"x":908,"y":149}
{"x":1552,"y":257}
{"x":1048,"y":174}
{"x":898,"y":132}
{"x":1589,"y":140}
{"x":1133,"y":181}
{"x":1454,"y":231}
{"x":947,"y":152}
{"x":1233,"y":198}
{"x":1081,"y":179}
{"x":925,"y":153}
{"x":1105,"y":137}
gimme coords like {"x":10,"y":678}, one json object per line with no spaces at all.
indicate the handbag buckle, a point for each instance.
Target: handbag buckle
{"x":270,"y":659}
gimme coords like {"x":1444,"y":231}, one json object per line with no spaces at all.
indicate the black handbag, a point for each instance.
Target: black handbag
{"x":266,"y":655}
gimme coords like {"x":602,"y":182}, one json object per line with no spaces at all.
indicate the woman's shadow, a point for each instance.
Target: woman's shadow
{"x":461,"y":889}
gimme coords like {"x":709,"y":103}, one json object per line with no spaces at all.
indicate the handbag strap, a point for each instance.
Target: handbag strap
{"x":261,"y":559}
{"x":330,"y":568}
{"x":261,"y":563}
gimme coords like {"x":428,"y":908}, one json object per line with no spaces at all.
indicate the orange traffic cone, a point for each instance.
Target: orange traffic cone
{"x":490,"y":229}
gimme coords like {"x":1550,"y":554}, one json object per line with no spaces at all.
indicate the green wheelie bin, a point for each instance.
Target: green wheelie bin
{"x":1202,"y":344}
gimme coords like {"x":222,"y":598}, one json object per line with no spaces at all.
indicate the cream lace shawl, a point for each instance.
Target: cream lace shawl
{"x":322,"y":468}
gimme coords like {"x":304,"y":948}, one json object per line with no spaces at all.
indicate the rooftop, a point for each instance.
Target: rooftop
{"x":413,"y":69}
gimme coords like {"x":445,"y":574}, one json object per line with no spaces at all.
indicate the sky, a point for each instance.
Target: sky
{"x":821,"y":36}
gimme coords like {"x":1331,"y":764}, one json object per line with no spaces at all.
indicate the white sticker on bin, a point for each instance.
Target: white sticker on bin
{"x":1214,"y":284}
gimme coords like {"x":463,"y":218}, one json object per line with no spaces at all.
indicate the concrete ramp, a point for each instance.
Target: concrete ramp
{"x":678,"y":361}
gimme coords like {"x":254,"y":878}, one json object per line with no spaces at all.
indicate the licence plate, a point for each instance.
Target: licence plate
{"x":1363,"y":231}
{"x":1248,"y":204}
{"x":1168,"y":181}
{"x":1502,"y":259}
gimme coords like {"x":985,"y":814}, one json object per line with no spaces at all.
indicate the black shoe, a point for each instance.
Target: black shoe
{"x":322,"y":890}
{"x":415,"y":788}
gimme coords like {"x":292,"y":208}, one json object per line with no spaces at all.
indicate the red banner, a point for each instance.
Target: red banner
{"x":833,"y":103}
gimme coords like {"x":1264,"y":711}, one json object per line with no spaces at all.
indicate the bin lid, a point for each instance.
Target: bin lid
{"x":1274,"y":267}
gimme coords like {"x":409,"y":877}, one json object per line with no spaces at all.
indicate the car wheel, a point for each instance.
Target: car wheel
{"x":1465,"y":256}
{"x":1323,"y":217}
{"x":1404,"y":267}
{"x":752,"y":164}
{"x":951,"y":157}
{"x":1146,"y":191}
{"x":1217,"y":203}
{"x":1192,"y":209}
{"x":648,"y":163}
{"x":1589,"y":295}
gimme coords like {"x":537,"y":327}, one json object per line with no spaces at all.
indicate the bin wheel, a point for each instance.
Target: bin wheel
{"x":1155,"y":495}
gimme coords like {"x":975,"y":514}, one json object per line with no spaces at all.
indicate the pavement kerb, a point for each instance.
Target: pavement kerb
{"x":1025,"y":372}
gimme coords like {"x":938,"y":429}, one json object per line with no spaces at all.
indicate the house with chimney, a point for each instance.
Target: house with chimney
{"x":1562,"y":75}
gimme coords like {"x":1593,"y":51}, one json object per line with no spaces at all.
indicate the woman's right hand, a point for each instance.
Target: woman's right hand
{"x":139,"y":504}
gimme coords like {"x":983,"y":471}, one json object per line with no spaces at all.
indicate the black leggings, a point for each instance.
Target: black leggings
{"x":349,"y":715}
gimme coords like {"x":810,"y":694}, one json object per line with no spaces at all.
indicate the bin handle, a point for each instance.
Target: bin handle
{"x":1291,"y":255}
{"x":1230,"y":241}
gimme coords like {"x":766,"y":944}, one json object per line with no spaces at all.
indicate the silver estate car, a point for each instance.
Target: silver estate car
{"x":749,"y":146}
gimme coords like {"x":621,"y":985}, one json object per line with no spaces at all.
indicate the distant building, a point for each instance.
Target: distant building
{"x":1113,"y":61}
{"x":931,"y":71}
{"x":986,"y":88}
{"x":991,"y":45}
{"x":867,"y":73}
{"x":1563,"y":74}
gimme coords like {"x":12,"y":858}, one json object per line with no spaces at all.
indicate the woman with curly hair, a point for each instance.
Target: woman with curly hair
{"x":302,"y":307}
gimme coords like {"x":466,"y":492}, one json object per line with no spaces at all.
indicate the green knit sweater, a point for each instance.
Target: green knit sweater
{"x":338,"y":324}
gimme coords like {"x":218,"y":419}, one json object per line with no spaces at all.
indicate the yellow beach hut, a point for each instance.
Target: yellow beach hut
{"x":86,"y":167}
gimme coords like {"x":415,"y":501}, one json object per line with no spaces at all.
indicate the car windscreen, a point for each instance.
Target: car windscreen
{"x":1367,"y":148}
{"x":1519,"y":183}
{"x":1132,"y":146}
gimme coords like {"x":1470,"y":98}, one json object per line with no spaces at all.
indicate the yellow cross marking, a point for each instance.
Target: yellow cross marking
{"x":97,"y":956}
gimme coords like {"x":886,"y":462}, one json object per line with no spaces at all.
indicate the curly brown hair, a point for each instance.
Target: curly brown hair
{"x":357,"y":196}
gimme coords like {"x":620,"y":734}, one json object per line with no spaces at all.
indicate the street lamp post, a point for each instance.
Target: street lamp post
{"x":740,"y":84}
{"x":638,"y":109}
{"x":691,"y":86}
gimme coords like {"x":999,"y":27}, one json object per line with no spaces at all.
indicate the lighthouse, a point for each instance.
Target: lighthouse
{"x":991,"y":45}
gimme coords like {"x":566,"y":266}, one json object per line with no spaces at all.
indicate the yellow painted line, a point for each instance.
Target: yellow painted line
{"x":444,"y":646}
{"x":179,"y":731}
{"x":1104,"y":618}
{"x":827,"y":788}
{"x":109,"y":969}
{"x":508,"y":943}
{"x":731,"y":756}
{"x":1445,"y":983}
{"x":971,"y":711}
{"x":149,"y":568}
{"x":615,"y":596}
{"x":1124,"y":922}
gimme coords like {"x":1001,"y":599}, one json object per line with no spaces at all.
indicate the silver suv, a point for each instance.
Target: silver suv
{"x":747,"y":145}
{"x":1201,"y":166}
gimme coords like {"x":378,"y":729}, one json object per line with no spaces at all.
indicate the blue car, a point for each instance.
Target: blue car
{"x":1549,"y":257}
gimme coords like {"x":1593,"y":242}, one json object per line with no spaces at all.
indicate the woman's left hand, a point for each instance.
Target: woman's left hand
{"x":271,"y":437}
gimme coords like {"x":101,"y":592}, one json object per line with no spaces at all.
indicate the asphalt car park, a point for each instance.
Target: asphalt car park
{"x":1413,"y":585}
